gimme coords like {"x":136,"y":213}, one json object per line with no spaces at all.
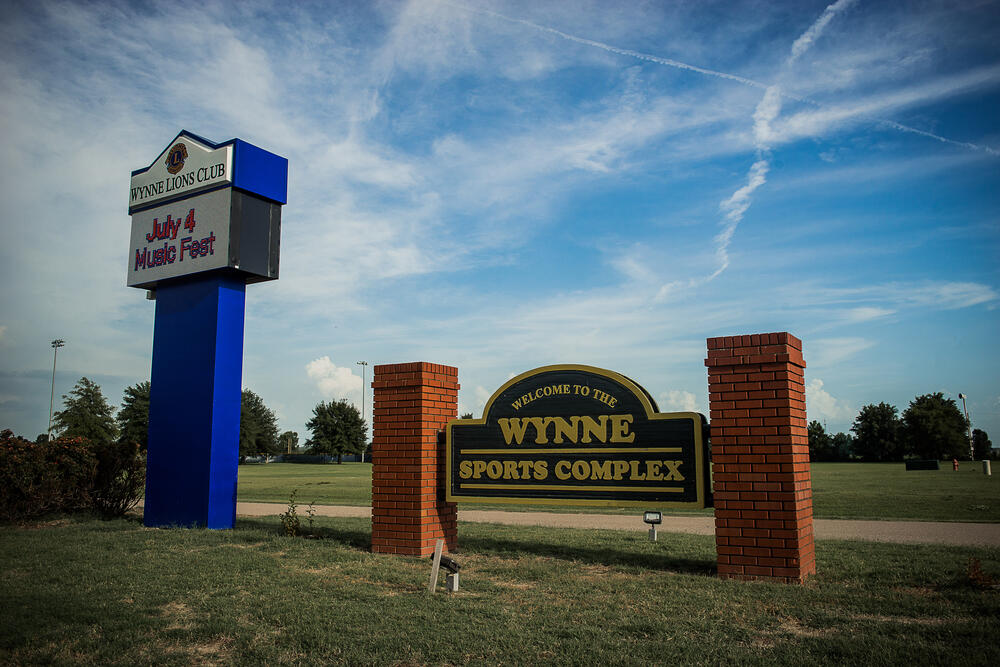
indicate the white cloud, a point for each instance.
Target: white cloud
{"x":333,"y":381}
{"x":821,"y":405}
{"x":678,"y":400}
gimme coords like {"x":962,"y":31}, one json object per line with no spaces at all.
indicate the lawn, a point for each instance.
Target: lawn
{"x":840,"y":490}
{"x":88,"y":591}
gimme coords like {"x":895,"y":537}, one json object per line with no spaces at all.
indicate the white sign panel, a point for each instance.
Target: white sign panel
{"x":184,"y":168}
{"x":187,"y":236}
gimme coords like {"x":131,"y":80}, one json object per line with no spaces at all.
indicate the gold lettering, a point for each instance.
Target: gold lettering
{"x":620,"y":468}
{"x":525,"y":469}
{"x":635,"y":471}
{"x":562,"y":469}
{"x":619,"y":428}
{"x":494,"y":470}
{"x":465,"y":469}
{"x":565,"y":428}
{"x":653,"y":471}
{"x":478,"y":468}
{"x":600,"y":470}
{"x":592,"y":427}
{"x":541,"y":425}
{"x":672,"y":470}
{"x":541,"y":470}
{"x":510,"y":470}
{"x":581,"y":470}
{"x":513,"y":429}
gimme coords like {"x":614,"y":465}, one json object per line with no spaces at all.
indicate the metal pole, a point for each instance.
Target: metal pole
{"x":364,"y":367}
{"x":968,"y":425}
{"x":56,"y":344}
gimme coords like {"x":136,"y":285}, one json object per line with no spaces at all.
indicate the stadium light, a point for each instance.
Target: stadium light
{"x":364,"y":367}
{"x":56,"y":344}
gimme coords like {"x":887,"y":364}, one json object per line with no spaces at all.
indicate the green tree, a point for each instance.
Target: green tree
{"x":133,"y":417}
{"x":86,"y":414}
{"x":820,"y":444}
{"x":258,"y":427}
{"x":877,"y":433}
{"x":289,"y":441}
{"x":843,"y":445}
{"x":337,"y":428}
{"x":981,"y":444}
{"x":934,"y":428}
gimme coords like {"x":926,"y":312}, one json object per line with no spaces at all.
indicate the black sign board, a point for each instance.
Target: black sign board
{"x":578,"y":435}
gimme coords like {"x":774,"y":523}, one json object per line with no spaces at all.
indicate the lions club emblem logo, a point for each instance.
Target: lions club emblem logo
{"x":175,"y":157}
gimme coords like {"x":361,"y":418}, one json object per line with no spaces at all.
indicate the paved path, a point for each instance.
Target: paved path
{"x":907,"y":532}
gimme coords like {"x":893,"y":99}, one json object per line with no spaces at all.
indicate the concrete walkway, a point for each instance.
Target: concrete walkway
{"x":906,"y":532}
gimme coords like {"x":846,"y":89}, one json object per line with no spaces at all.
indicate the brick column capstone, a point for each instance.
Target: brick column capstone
{"x":411,"y":403}
{"x":760,"y":457}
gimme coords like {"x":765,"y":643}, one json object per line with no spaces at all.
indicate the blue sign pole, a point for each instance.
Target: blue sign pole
{"x":206,"y":220}
{"x":194,"y":406}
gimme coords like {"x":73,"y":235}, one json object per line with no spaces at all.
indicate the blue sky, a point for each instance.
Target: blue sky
{"x":503,"y":185}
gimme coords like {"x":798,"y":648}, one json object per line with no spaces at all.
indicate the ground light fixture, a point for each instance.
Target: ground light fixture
{"x":654,"y":519}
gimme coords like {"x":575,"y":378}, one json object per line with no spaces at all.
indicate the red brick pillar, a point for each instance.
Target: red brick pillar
{"x":411,"y":403}
{"x":760,"y":457}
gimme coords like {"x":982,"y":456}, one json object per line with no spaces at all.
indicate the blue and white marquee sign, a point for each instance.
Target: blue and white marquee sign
{"x":206,"y":220}
{"x":203,"y":207}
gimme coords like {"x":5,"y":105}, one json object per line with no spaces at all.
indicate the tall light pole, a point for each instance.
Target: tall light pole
{"x":56,"y":344}
{"x":364,"y":367}
{"x":968,"y":424}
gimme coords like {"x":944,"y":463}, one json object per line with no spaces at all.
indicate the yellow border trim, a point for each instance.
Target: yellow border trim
{"x":573,"y":487}
{"x":575,"y":450}
{"x":701,"y":492}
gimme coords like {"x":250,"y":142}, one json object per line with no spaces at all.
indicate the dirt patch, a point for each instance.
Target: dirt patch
{"x":793,"y":627}
{"x":178,"y":616}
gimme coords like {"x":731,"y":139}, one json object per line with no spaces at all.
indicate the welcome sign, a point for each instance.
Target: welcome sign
{"x":577,"y":435}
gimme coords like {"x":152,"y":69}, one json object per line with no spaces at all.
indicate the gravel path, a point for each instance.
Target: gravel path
{"x":906,"y":532}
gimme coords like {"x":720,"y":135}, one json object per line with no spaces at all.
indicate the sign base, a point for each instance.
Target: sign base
{"x":194,"y":408}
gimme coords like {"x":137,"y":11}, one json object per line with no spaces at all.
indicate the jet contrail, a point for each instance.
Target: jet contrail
{"x":801,"y":44}
{"x":614,"y":49}
{"x":767,"y":110}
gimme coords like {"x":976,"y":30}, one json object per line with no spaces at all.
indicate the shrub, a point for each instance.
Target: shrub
{"x":290,"y":519}
{"x":119,"y":479}
{"x":41,"y":478}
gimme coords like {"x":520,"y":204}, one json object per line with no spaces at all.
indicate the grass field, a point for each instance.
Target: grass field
{"x":86,"y":592}
{"x":840,"y":490}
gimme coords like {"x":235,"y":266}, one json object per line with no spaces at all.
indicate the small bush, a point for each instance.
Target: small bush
{"x":120,"y":478}
{"x":290,"y":523}
{"x":41,"y":478}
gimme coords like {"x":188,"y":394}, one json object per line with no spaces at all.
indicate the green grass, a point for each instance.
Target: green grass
{"x":324,"y":484}
{"x":840,"y":490}
{"x":85,"y":592}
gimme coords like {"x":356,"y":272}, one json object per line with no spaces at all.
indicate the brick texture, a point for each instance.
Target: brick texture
{"x":412,"y":402}
{"x":760,"y":458}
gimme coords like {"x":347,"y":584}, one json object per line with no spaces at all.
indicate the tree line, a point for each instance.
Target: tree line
{"x":931,"y":427}
{"x":337,"y":427}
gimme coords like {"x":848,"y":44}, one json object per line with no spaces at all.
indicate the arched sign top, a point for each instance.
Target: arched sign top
{"x":562,"y":380}
{"x":575,"y":434}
